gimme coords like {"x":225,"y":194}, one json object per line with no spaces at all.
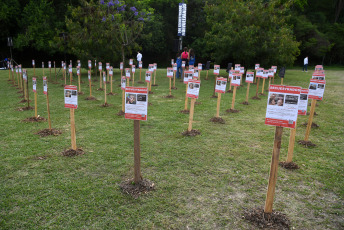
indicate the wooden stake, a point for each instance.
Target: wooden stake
{"x":247,"y":91}
{"x":65,"y":76}
{"x":79,"y":82}
{"x":50,"y":74}
{"x":133,"y":79}
{"x":255,"y":76}
{"x":55,"y":72}
{"x":174,"y":79}
{"x":107,"y":74}
{"x":105,"y":92}
{"x":137,"y":152}
{"x":36,"y":115}
{"x":100,"y":80}
{"x":140,"y":73}
{"x":72,"y":129}
{"x":230,"y":84}
{"x":206,"y":78}
{"x":111,"y":84}
{"x":150,"y":86}
{"x":214,"y":86}
{"x":282,"y":81}
{"x":191,"y":113}
{"x":170,"y":85}
{"x":27,"y":92}
{"x":186,"y":98}
{"x":291,"y":144}
{"x":257,"y":86}
{"x":18,"y":79}
{"x":310,"y":119}
{"x":154,"y":76}
{"x":218,"y":105}
{"x":34,"y":71}
{"x":233,"y":99}
{"x":263,"y":85}
{"x":70,"y":78}
{"x":273,"y":170}
{"x":48,"y":109}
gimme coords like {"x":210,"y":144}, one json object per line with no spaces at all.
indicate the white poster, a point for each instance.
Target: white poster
{"x":130,"y":61}
{"x":42,"y":64}
{"x":256,"y":66}
{"x":188,"y":75}
{"x":45,"y":85}
{"x":236,"y":79}
{"x":127,"y":72}
{"x":121,"y":66}
{"x":104,"y":77}
{"x":230,"y":74}
{"x":259,"y":72}
{"x":110,"y":71}
{"x":136,"y":103}
{"x":249,"y":77}
{"x":70,"y":69}
{"x":183,"y":64}
{"x":151,"y":67}
{"x":271,"y":73}
{"x":107,"y":66}
{"x":318,"y":76}
{"x":49,"y":64}
{"x":274,"y":68}
{"x":140,"y":64}
{"x":78,"y":70}
{"x":265,"y":73}
{"x":155,"y":66}
{"x":216,"y":69}
{"x":199,"y":66}
{"x":221,"y":84}
{"x":242,"y":70}
{"x":133,"y":68}
{"x":89,"y":76}
{"x":71,"y":96}
{"x":193,"y":88}
{"x":24,"y":75}
{"x":33,"y":62}
{"x":123,"y":82}
{"x":34,"y":84}
{"x":282,"y":105}
{"x":172,"y":62}
{"x":170,"y":72}
{"x":316,"y":89}
{"x":175,"y":67}
{"x":303,"y":103}
{"x":237,"y":67}
{"x":79,"y":63}
{"x":100,"y":66}
{"x":196,"y":72}
{"x":89,"y":64}
{"x":148,"y":76}
{"x":191,"y":68}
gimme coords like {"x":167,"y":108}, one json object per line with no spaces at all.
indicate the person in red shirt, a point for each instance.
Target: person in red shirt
{"x":185,"y":56}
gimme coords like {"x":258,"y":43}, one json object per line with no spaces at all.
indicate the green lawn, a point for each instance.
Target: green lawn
{"x":202,"y":182}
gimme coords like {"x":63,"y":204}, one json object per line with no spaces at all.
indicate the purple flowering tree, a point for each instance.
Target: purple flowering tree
{"x":99,"y":29}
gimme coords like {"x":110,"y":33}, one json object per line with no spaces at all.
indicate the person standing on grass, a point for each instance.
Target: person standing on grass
{"x":185,"y":57}
{"x":192,"y":57}
{"x":138,"y":57}
{"x":179,"y":66}
{"x":305,"y":64}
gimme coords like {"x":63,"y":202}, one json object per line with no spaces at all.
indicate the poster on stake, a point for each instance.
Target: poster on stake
{"x":71,"y":96}
{"x":136,"y":103}
{"x":196,"y":73}
{"x":249,"y":77}
{"x":316,"y":89}
{"x":221,"y":84}
{"x":193,"y":88}
{"x":282,"y":106}
{"x":45,"y":86}
{"x":188,"y":75}
{"x":318,"y":76}
{"x":303,"y":103}
{"x":236,"y":79}
{"x":216,"y":69}
{"x":237,"y":67}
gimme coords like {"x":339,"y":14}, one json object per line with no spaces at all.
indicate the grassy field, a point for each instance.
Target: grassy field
{"x":202,"y":182}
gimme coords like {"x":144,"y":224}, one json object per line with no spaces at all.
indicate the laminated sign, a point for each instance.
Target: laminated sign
{"x":148,"y":76}
{"x":199,"y":66}
{"x":71,"y":96}
{"x":130,"y":61}
{"x":151,"y":68}
{"x":127,"y":72}
{"x":236,"y":79}
{"x":316,"y":89}
{"x":237,"y":67}
{"x":193,"y":88}
{"x":45,"y":85}
{"x":175,"y":67}
{"x":89,"y":64}
{"x":34,"y":84}
{"x":282,"y":106}
{"x":133,"y":68}
{"x":121,"y":66}
{"x":216,"y":69}
{"x":136,"y":103}
{"x":256,"y":66}
{"x":318,"y":76}
{"x":140,"y":64}
{"x":188,"y":75}
{"x":123,"y":82}
{"x":100,"y":66}
{"x":33,"y":62}
{"x":302,"y":110}
{"x":196,"y":72}
{"x":170,"y":72}
{"x":221,"y":84}
{"x":249,"y":77}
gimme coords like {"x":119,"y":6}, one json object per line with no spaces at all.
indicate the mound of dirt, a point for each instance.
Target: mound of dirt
{"x":262,"y":94}
{"x":105,"y":105}
{"x":314,"y":125}
{"x":213,"y":96}
{"x":185,"y":111}
{"x":217,"y":120}
{"x":112,"y":94}
{"x":151,"y":92}
{"x":229,"y":91}
{"x":198,"y":103}
{"x":174,"y":88}
{"x":256,"y":98}
{"x":136,"y":189}
{"x":100,"y":89}
{"x":288,"y":165}
{"x":192,"y":133}
{"x":315,"y":113}
{"x":232,"y":111}
{"x":90,"y":99}
{"x":140,"y":82}
{"x":155,"y":85}
{"x":72,"y":152}
{"x":245,"y":103}
{"x":34,"y":119}
{"x":120,"y":113}
{"x":169,"y":96}
{"x":274,"y":220}
{"x":49,"y":132}
{"x":24,"y":100}
{"x":306,"y":143}
{"x":25,"y":108}
{"x":81,"y":93}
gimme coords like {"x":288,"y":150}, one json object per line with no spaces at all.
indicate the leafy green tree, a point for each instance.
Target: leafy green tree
{"x":251,"y":31}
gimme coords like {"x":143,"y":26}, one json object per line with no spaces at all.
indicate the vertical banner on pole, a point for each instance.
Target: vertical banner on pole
{"x":100,"y":67}
{"x":71,"y":102}
{"x":193,"y":87}
{"x":235,"y":81}
{"x":220,"y":88}
{"x":249,"y":80}
{"x":170,"y":76}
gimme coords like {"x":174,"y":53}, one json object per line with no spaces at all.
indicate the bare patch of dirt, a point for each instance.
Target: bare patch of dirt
{"x":198,"y":103}
{"x":105,"y":105}
{"x":217,"y":120}
{"x":232,"y":111}
{"x":34,"y":119}
{"x":174,"y":88}
{"x":185,"y":111}
{"x":137,"y":189}
{"x":112,"y":94}
{"x":49,"y":132}
{"x":120,"y":113}
{"x":256,"y":98}
{"x":25,"y":108}
{"x":24,"y":100}
{"x":214,"y":96}
{"x":150,"y":92}
{"x":72,"y":152}
{"x":81,"y":93}
{"x":314,"y":125}
{"x":315,"y":113}
{"x":316,"y":105}
{"x":41,"y":158}
{"x":155,"y":85}
{"x":100,"y":89}
{"x":21,"y":96}
{"x":262,"y":94}
{"x":90,"y":99}
{"x":149,"y":104}
{"x":169,"y":96}
{"x":20,"y":91}
{"x":274,"y":220}
{"x":140,"y":82}
{"x":229,"y":91}
{"x":192,"y":133}
{"x":63,"y":85}
{"x":306,"y":143}
{"x":288,"y":165}
{"x":245,"y":103}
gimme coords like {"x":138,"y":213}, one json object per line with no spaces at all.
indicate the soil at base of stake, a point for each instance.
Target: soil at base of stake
{"x":185,"y":111}
{"x":311,"y":104}
{"x":112,"y":94}
{"x":90,"y":99}
{"x":314,"y":125}
{"x":169,"y":96}
{"x":214,"y":96}
{"x":20,"y":92}
{"x":100,"y":89}
{"x":192,"y":133}
{"x":262,"y":94}
{"x":140,"y":82}
{"x":120,"y":113}
{"x":25,"y":108}
{"x":232,"y":111}
{"x":229,"y":91}
{"x":245,"y":103}
{"x":306,"y":143}
{"x":34,"y":119}
{"x":24,"y":100}
{"x":288,"y":165}
{"x":72,"y":152}
{"x":174,"y":88}
{"x":150,"y":92}
{"x":136,"y":189}
{"x":256,"y":98}
{"x":274,"y":220}
{"x":81,"y":93}
{"x":217,"y":120}
{"x":105,"y":105}
{"x":198,"y":103}
{"x":63,"y":85}
{"x":315,"y":114}
{"x":155,"y":85}
{"x":49,"y":132}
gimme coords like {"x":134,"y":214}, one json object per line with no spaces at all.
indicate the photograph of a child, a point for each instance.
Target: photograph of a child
{"x":34,"y":82}
{"x":44,"y":83}
{"x":191,"y":85}
{"x":130,"y":98}
{"x":291,"y":99}
{"x":218,"y":82}
{"x":68,"y":93}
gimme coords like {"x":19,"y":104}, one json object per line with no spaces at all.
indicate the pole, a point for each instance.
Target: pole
{"x":72,"y":124}
{"x":263,"y":85}
{"x":218,"y":105}
{"x":170,"y":85}
{"x":186,"y":98}
{"x":174,"y":79}
{"x":233,"y":99}
{"x":36,"y":115}
{"x":191,"y":113}
{"x":48,"y":109}
{"x":257,"y":86}
{"x":291,"y":144}
{"x":137,"y":152}
{"x":273,"y":170}
{"x":310,"y":120}
{"x":247,"y":91}
{"x":123,"y":100}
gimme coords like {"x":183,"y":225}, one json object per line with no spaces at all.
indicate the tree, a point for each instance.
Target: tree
{"x":251,"y":31}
